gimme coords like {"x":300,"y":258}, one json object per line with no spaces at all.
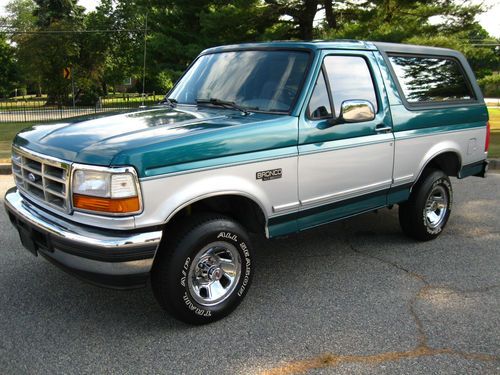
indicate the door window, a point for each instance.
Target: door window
{"x":350,"y":79}
{"x":319,"y":106}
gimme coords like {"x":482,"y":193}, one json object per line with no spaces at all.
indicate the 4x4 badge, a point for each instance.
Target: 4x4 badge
{"x":271,"y":174}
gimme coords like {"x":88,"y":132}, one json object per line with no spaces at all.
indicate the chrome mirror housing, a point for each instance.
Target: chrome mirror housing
{"x":357,"y":111}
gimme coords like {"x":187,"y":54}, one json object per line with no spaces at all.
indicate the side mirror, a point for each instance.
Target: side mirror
{"x":356,"y":111}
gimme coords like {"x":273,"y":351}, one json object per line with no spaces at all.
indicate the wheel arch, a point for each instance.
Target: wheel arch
{"x":241,"y":206}
{"x":447,"y":159}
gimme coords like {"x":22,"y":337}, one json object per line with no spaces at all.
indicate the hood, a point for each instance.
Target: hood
{"x":160,"y":136}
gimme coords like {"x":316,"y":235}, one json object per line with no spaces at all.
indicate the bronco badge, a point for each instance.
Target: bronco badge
{"x":271,"y":174}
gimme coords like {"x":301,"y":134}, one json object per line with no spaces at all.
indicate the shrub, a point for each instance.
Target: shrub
{"x":490,"y":85}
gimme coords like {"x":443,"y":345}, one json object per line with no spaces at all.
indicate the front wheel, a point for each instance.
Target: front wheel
{"x":205,"y":271}
{"x":425,"y":214}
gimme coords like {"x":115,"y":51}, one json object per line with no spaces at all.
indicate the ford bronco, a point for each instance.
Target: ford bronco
{"x":272,"y":138}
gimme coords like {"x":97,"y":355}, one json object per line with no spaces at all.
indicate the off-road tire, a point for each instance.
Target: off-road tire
{"x":414,"y":213}
{"x":171,"y":272}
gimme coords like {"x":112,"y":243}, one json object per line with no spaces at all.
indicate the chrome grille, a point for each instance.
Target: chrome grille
{"x":43,"y":178}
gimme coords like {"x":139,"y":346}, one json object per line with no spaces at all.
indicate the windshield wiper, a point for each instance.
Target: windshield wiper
{"x":223,"y":103}
{"x":169,"y":101}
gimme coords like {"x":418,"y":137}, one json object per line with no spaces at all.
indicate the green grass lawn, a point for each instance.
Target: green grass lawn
{"x":494,"y":151}
{"x":7,"y":132}
{"x":494,"y":118}
{"x":116,"y":100}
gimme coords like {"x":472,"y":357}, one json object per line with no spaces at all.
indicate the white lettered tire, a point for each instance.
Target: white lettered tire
{"x":203,"y":273}
{"x":425,"y":215}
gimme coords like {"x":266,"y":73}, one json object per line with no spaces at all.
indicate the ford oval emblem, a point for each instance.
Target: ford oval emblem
{"x":31,"y":177}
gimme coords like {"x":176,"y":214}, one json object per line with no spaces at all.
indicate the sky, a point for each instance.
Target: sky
{"x":490,"y":19}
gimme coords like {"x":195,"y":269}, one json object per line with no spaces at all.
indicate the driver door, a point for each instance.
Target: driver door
{"x":344,"y":168}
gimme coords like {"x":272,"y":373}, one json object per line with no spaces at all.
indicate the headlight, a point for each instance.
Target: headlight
{"x":114,"y":191}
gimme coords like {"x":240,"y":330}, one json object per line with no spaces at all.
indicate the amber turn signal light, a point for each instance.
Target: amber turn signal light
{"x":115,"y":206}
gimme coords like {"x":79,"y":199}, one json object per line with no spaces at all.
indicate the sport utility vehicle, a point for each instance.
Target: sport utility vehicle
{"x":272,"y":138}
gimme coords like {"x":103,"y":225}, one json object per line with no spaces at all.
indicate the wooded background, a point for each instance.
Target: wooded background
{"x":105,"y":47}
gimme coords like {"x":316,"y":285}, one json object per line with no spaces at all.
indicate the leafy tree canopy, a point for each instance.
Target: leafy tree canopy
{"x":177,"y":30}
{"x":8,"y":70}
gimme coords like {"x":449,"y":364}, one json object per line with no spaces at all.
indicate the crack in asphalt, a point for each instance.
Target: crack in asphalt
{"x":415,"y":275}
{"x":422,"y":348}
{"x":332,"y":360}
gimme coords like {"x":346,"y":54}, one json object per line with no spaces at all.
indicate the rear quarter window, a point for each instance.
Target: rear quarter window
{"x":431,"y":79}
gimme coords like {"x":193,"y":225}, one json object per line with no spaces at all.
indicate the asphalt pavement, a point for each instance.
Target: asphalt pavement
{"x":350,"y":297}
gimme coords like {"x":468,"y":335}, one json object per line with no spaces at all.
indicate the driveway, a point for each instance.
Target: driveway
{"x":351,"y":297}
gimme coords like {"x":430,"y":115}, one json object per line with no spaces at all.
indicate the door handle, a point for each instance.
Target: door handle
{"x":381,"y":128}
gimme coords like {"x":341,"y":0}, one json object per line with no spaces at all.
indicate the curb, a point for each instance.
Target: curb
{"x":494,"y":164}
{"x":7,"y":168}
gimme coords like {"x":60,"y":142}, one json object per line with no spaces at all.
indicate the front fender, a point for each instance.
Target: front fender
{"x":164,"y":197}
{"x":217,"y":186}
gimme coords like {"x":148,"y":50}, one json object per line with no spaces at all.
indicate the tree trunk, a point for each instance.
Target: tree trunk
{"x":305,"y":30}
{"x":331,"y":17}
{"x":306,"y":19}
{"x":389,"y":10}
{"x":104,"y":87}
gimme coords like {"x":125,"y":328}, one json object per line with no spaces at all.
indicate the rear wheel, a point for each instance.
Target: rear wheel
{"x":425,"y":214}
{"x":204,"y":272}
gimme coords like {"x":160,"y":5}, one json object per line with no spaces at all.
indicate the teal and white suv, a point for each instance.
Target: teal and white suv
{"x":272,"y":138}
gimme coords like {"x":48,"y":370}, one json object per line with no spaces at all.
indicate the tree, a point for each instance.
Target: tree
{"x":440,"y":23}
{"x":49,"y":12}
{"x":300,"y":15}
{"x":178,"y":30}
{"x":301,"y":12}
{"x":330,"y":14}
{"x":46,"y":53}
{"x":126,"y":53}
{"x":20,"y":17}
{"x":94,"y":54}
{"x":8,"y":71}
{"x":399,"y":20}
{"x":491,"y":85}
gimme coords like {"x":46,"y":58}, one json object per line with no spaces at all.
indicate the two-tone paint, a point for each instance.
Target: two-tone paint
{"x":186,"y":154}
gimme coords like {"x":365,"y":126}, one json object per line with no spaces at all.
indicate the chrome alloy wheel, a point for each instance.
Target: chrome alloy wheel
{"x":436,"y":207}
{"x":214,"y":273}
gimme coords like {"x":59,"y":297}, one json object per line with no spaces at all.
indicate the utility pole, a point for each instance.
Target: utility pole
{"x":72,"y":88}
{"x":144,"y":62}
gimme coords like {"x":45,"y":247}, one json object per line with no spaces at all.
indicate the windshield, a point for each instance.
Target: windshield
{"x":265,"y":81}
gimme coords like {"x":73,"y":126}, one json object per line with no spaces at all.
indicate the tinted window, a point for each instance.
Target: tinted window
{"x":259,"y":80}
{"x":319,"y":106}
{"x":430,"y":79}
{"x":349,"y":78}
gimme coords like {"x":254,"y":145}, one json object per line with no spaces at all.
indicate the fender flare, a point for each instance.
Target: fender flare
{"x":218,"y":194}
{"x":435,"y":154}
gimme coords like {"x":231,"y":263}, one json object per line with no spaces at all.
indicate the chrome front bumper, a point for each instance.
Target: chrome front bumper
{"x":111,"y":258}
